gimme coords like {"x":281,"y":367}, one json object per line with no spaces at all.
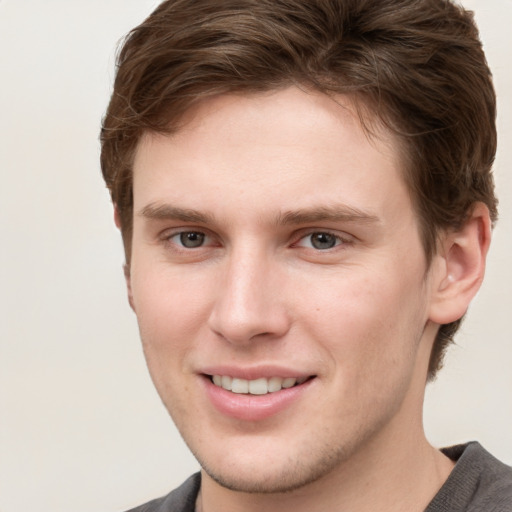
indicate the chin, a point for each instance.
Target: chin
{"x":273,"y":475}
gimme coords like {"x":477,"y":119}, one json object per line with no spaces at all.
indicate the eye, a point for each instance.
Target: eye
{"x":320,"y":240}
{"x":189,"y":239}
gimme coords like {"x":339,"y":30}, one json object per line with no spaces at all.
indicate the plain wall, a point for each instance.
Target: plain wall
{"x":81,"y":427}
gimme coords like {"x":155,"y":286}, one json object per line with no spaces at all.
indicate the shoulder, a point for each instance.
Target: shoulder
{"x":479,"y":482}
{"x":495,"y":484}
{"x":181,"y":499}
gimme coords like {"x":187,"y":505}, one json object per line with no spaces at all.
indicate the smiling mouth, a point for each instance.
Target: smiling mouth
{"x":261,"y":386}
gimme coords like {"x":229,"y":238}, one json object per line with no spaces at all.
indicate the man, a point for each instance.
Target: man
{"x":305,"y":196}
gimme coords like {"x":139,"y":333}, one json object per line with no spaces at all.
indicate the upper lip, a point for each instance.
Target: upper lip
{"x":254,"y":372}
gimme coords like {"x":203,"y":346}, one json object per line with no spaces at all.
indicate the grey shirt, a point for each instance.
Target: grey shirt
{"x":478,"y":483}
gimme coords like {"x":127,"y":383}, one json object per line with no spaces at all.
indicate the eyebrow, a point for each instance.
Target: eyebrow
{"x":168,"y":212}
{"x":337,"y":213}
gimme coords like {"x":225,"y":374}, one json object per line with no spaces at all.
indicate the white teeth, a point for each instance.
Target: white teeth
{"x":240,"y":386}
{"x":289,"y":382}
{"x":226,"y":382}
{"x":275,"y":384}
{"x":260,"y":386}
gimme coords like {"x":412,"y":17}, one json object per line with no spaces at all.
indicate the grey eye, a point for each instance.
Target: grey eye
{"x":323,"y":240}
{"x":192,"y":239}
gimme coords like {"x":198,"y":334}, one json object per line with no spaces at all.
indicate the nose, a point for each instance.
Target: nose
{"x":249,"y":302}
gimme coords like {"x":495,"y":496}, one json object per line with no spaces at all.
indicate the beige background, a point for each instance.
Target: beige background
{"x":81,"y":428}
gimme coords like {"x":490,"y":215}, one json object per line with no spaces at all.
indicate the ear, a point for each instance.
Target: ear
{"x":117,"y":217}
{"x":126,"y":266}
{"x":460,"y":267}
{"x":127,"y":278}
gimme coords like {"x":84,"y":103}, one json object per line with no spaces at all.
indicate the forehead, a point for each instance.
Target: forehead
{"x":269,"y":150}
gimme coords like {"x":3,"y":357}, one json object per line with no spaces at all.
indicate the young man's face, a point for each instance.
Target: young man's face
{"x":272,"y":240}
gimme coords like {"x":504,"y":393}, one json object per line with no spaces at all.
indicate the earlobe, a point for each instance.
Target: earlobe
{"x":117,"y":217}
{"x":126,"y":266}
{"x":127,"y":277}
{"x":459,"y":267}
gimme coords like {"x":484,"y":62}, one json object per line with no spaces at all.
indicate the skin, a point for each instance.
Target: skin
{"x":259,"y":176}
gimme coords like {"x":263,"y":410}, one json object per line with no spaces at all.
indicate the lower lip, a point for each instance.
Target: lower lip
{"x":253,"y":407}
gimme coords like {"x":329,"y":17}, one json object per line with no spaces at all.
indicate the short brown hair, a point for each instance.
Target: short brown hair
{"x":417,"y":66}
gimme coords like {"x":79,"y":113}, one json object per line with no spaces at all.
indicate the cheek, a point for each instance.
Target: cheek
{"x":369,"y":337}
{"x":171,"y":309}
{"x":165,"y":294}
{"x":366,"y":320}
{"x":169,"y":317}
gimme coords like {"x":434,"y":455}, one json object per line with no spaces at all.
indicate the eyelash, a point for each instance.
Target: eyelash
{"x":338,"y":239}
{"x":169,"y":238}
